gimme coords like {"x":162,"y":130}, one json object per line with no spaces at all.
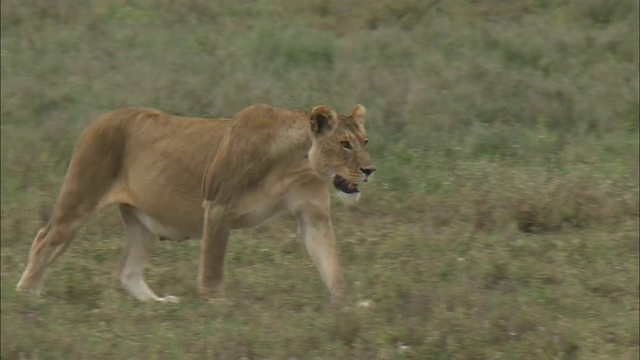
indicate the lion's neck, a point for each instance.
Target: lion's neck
{"x":293,"y":139}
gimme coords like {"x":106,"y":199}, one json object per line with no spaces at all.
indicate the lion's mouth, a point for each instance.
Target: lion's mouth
{"x":341,"y":184}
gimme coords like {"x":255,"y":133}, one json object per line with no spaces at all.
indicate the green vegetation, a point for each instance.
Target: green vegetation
{"x":503,"y":222}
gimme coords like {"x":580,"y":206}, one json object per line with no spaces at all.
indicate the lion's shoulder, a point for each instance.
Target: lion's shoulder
{"x":261,"y":138}
{"x":153,"y":120}
{"x":267,"y":113}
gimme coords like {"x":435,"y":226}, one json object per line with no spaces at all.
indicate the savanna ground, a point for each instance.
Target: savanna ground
{"x":503,"y":222}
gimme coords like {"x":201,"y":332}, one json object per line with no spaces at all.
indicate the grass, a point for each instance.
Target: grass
{"x":503,"y":222}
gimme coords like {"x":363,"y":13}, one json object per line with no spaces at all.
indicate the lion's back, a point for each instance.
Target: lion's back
{"x":146,"y":150}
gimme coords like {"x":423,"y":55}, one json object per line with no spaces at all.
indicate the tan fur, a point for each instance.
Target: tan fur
{"x":183,"y":178}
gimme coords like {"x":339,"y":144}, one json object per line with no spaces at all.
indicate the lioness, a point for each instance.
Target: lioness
{"x":183,"y":178}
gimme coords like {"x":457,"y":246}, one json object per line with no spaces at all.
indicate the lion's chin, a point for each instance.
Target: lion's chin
{"x":348,"y":199}
{"x":347,"y":191}
{"x":345,"y":186}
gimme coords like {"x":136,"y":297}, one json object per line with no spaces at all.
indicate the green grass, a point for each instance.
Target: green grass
{"x":502,"y":223}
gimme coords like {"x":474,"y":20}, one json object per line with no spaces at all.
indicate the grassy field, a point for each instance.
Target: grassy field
{"x":502,"y":223}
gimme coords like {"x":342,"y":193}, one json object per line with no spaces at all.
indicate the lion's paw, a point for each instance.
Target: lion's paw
{"x":23,"y":287}
{"x":169,"y":299}
{"x":219,"y":301}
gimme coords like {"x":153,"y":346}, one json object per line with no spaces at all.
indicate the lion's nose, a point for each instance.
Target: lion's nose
{"x":368,"y":171}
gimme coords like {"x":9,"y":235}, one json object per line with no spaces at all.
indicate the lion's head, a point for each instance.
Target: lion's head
{"x":339,"y":149}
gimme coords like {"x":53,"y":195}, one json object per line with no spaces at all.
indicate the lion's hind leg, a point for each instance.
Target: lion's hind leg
{"x":50,"y":242}
{"x":139,"y":245}
{"x":71,"y":212}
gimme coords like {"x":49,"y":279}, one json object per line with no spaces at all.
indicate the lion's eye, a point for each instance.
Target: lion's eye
{"x":346,"y":145}
{"x":366,"y":141}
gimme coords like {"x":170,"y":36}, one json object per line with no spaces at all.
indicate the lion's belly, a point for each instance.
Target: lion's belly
{"x":166,"y":231}
{"x":256,"y":207}
{"x":256,"y":215}
{"x":244,"y":217}
{"x":249,"y":221}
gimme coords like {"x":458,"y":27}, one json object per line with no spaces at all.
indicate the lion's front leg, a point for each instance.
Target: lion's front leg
{"x":214,"y":244}
{"x":318,"y":235}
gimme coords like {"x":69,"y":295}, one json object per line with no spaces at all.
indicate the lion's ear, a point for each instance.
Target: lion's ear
{"x":323,"y":119}
{"x":357,"y":114}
